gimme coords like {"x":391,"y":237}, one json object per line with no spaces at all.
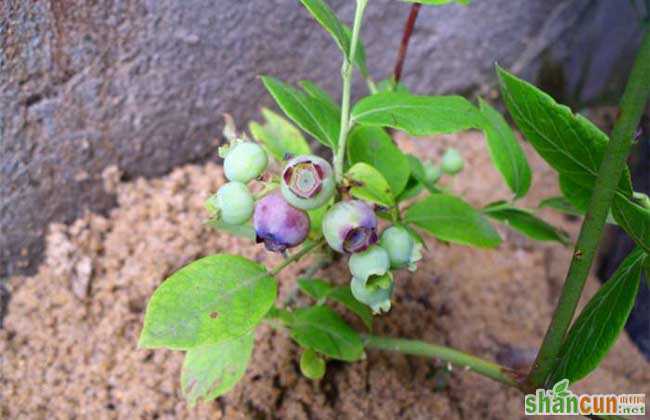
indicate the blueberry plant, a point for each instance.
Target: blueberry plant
{"x":296,"y":203}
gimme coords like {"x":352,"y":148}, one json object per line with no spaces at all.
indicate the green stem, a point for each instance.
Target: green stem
{"x":295,"y":257}
{"x":631,"y":107}
{"x":346,"y":77}
{"x":420,"y":348}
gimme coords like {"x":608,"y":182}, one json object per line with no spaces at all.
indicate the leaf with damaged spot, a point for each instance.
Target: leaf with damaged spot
{"x":211,"y":370}
{"x":375,"y":147}
{"x":367,"y":183}
{"x":212,"y":299}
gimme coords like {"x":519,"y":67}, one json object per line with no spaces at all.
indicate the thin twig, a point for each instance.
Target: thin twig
{"x":406,"y":37}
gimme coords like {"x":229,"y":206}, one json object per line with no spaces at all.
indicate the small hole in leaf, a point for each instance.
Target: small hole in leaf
{"x":213,"y":315}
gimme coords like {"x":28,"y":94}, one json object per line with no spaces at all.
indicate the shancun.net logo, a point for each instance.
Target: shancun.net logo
{"x":561,"y":401}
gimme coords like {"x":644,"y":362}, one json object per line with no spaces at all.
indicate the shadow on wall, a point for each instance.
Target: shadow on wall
{"x":142,"y":84}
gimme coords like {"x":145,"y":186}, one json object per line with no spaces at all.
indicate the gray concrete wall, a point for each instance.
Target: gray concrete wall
{"x":142,"y":83}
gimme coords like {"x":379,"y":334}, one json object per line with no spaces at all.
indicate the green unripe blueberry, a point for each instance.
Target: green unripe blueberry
{"x":373,"y":261}
{"x":432,"y":172}
{"x":402,"y":249}
{"x":308,"y":182}
{"x":245,"y":161}
{"x":452,"y":162}
{"x":234,"y":202}
{"x":375,"y":292}
{"x":312,"y":365}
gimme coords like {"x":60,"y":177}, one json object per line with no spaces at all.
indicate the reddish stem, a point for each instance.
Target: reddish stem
{"x":406,"y":36}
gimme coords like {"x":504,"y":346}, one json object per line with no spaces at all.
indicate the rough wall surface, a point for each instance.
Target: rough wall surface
{"x":141,"y":84}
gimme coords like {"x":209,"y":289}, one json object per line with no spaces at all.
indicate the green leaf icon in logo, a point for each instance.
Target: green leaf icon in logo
{"x":561,"y":389}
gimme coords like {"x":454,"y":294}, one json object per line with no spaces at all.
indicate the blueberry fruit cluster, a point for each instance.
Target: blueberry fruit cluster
{"x":281,"y":221}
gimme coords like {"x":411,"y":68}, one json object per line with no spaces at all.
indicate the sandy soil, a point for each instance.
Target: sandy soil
{"x":68,"y":348}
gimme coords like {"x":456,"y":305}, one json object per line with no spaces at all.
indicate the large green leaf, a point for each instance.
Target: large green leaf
{"x":212,"y":299}
{"x":321,"y":329}
{"x":417,"y":115}
{"x":368,"y":184}
{"x":312,"y":114}
{"x":451,"y":219}
{"x":570,"y":143}
{"x":597,"y":327}
{"x":212,"y":369}
{"x":634,"y":219}
{"x":505,"y":151}
{"x":340,"y":32}
{"x":375,"y":147}
{"x":279,"y":136}
{"x":525,"y":222}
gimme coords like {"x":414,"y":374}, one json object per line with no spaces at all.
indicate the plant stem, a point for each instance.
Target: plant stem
{"x":420,"y":348}
{"x":346,"y":77}
{"x":406,"y":36}
{"x":295,"y":257}
{"x":631,"y":107}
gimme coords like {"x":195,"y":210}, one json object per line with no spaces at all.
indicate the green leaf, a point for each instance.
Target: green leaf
{"x":413,"y":189}
{"x":561,"y":387}
{"x":368,"y":184}
{"x":342,"y":35}
{"x":315,"y":91}
{"x":212,"y":369}
{"x":597,"y":327}
{"x":315,"y":288}
{"x":279,"y":136}
{"x":312,"y":114}
{"x":560,"y":204}
{"x":439,"y":2}
{"x":319,"y":290}
{"x":321,"y":329}
{"x":343,"y":295}
{"x":579,"y":196}
{"x":375,"y":147}
{"x":418,"y":172}
{"x":526,"y":223}
{"x":506,"y":153}
{"x":212,"y":299}
{"x":312,"y":365}
{"x":451,"y":219}
{"x":417,"y":115}
{"x":634,"y":219}
{"x":570,"y":143}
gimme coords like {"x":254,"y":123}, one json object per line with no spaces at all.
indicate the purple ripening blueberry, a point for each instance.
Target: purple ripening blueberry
{"x":278,"y":224}
{"x":350,"y":226}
